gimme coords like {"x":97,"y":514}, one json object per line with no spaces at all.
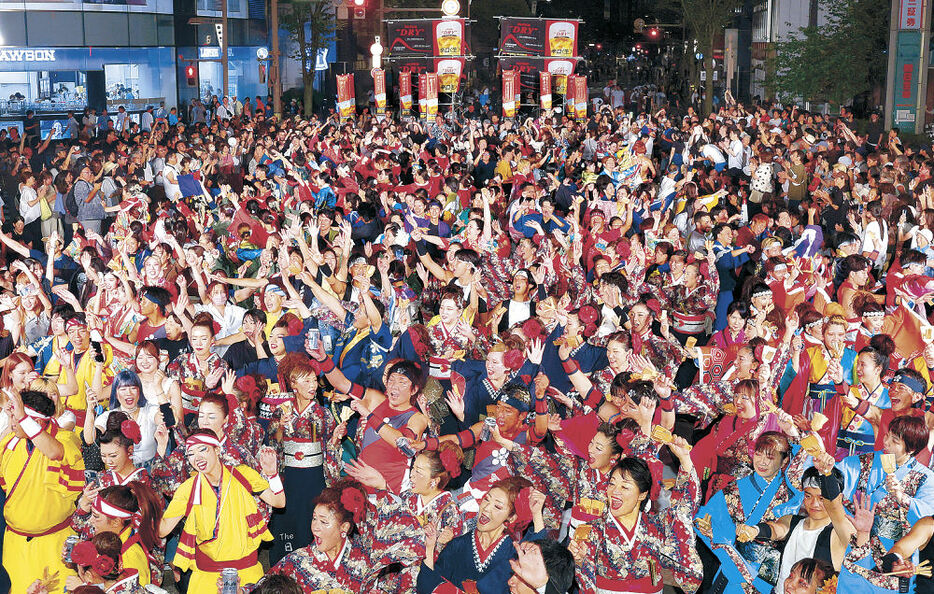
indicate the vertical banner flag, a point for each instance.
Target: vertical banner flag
{"x":559,"y":69}
{"x":561,"y":39}
{"x":545,"y":91}
{"x":580,"y":97}
{"x":449,"y":37}
{"x":405,"y":92}
{"x":509,"y":93}
{"x":379,"y":90}
{"x":569,"y":104}
{"x":431,"y":92}
{"x":423,"y":95}
{"x":346,"y":102}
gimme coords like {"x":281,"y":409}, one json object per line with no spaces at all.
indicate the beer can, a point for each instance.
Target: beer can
{"x":229,"y":579}
{"x":70,"y":543}
{"x":314,"y":339}
{"x":487,"y":432}
{"x":405,"y":446}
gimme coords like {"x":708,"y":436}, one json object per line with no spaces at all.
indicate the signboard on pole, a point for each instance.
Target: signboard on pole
{"x":431,"y":91}
{"x":907,"y":78}
{"x":538,"y":37}
{"x":423,"y":95}
{"x":580,"y":97}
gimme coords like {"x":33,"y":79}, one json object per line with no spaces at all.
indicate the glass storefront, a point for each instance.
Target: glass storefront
{"x":72,"y":79}
{"x":243,"y":77}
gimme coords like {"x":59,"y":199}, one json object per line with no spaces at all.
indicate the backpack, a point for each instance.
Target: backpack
{"x":70,"y":202}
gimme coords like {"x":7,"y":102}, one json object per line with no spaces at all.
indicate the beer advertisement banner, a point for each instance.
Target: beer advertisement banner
{"x":545,"y":89}
{"x":559,"y":70}
{"x":410,"y":38}
{"x":431,"y":92}
{"x":569,"y":105}
{"x":379,"y":90}
{"x":449,"y":74}
{"x":510,"y":79}
{"x":449,"y":37}
{"x":561,"y":39}
{"x":423,"y":95}
{"x":405,"y":92}
{"x":528,"y":69}
{"x":522,"y":36}
{"x":346,"y":102}
{"x":580,"y":97}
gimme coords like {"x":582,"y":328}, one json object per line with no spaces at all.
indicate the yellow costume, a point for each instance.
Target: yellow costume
{"x":216,"y":538}
{"x":40,"y":498}
{"x":134,"y":556}
{"x":84,"y":375}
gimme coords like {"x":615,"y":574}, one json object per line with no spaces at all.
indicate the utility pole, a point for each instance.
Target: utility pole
{"x":276,"y":84}
{"x":225,"y":40}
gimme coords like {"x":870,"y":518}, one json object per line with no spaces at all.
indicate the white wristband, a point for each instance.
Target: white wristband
{"x":30,"y":427}
{"x":275,"y":484}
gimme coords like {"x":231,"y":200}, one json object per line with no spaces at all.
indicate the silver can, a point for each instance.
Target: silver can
{"x":229,"y":581}
{"x":314,"y":339}
{"x":487,"y":432}
{"x":405,"y":446}
{"x":70,"y":543}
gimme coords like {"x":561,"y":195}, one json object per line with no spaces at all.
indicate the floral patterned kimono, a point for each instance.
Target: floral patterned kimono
{"x":442,"y":511}
{"x":750,"y":500}
{"x":864,"y":473}
{"x":616,"y":560}
{"x":393,"y":536}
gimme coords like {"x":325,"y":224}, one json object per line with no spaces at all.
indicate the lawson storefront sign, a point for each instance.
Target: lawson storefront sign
{"x":27,"y":55}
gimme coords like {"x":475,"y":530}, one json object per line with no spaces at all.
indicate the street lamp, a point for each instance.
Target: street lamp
{"x":376,"y":52}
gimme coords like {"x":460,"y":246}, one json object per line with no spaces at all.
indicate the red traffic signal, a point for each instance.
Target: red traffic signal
{"x":653,"y":33}
{"x":191,"y":75}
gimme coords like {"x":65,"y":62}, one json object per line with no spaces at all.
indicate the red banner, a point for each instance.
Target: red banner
{"x":379,"y":90}
{"x":560,"y":70}
{"x":569,"y":95}
{"x":538,"y":37}
{"x":405,"y":92}
{"x":545,"y":91}
{"x":346,"y":102}
{"x":423,"y":95}
{"x":510,"y":80}
{"x":427,"y":38}
{"x":580,"y":97}
{"x":431,"y":92}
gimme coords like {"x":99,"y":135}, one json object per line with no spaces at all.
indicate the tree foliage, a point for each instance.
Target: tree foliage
{"x":707,"y":19}
{"x":311,"y":26}
{"x":836,"y":61}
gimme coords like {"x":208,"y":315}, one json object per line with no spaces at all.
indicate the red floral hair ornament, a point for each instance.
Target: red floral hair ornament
{"x":355,"y":502}
{"x":450,"y":463}
{"x":247,"y":385}
{"x":513,"y":359}
{"x":85,"y":554}
{"x":589,"y":316}
{"x":130,"y":430}
{"x":654,"y":305}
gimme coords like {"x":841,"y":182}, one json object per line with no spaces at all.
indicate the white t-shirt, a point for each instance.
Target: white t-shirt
{"x":172,"y":191}
{"x":801,"y":545}
{"x":713,"y":152}
{"x":876,"y":239}
{"x":29,"y":213}
{"x":145,"y":450}
{"x":735,"y":161}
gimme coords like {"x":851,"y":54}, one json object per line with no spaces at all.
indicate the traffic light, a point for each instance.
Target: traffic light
{"x":654,"y":32}
{"x":359,"y":9}
{"x":191,"y":75}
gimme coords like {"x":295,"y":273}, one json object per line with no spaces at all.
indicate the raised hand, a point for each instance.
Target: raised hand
{"x":365,"y":473}
{"x":268,"y":461}
{"x":535,"y":351}
{"x":865,"y":513}
{"x":455,"y":402}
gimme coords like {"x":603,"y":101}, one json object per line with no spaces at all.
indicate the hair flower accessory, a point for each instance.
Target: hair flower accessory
{"x":523,"y":512}
{"x":450,"y":463}
{"x":85,"y":554}
{"x":131,"y":431}
{"x":513,"y":359}
{"x":355,"y":502}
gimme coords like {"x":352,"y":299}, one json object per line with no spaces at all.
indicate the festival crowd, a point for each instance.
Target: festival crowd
{"x":624,"y":354}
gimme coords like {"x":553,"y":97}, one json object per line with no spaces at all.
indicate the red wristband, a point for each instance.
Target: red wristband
{"x":666,"y":405}
{"x":570,"y":366}
{"x":327,"y":366}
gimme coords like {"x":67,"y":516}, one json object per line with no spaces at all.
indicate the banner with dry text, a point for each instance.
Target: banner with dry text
{"x":427,"y":38}
{"x":379,"y":90}
{"x":346,"y":101}
{"x":538,"y":37}
{"x":431,"y":92}
{"x":545,"y":89}
{"x":405,"y":92}
{"x":510,"y":86}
